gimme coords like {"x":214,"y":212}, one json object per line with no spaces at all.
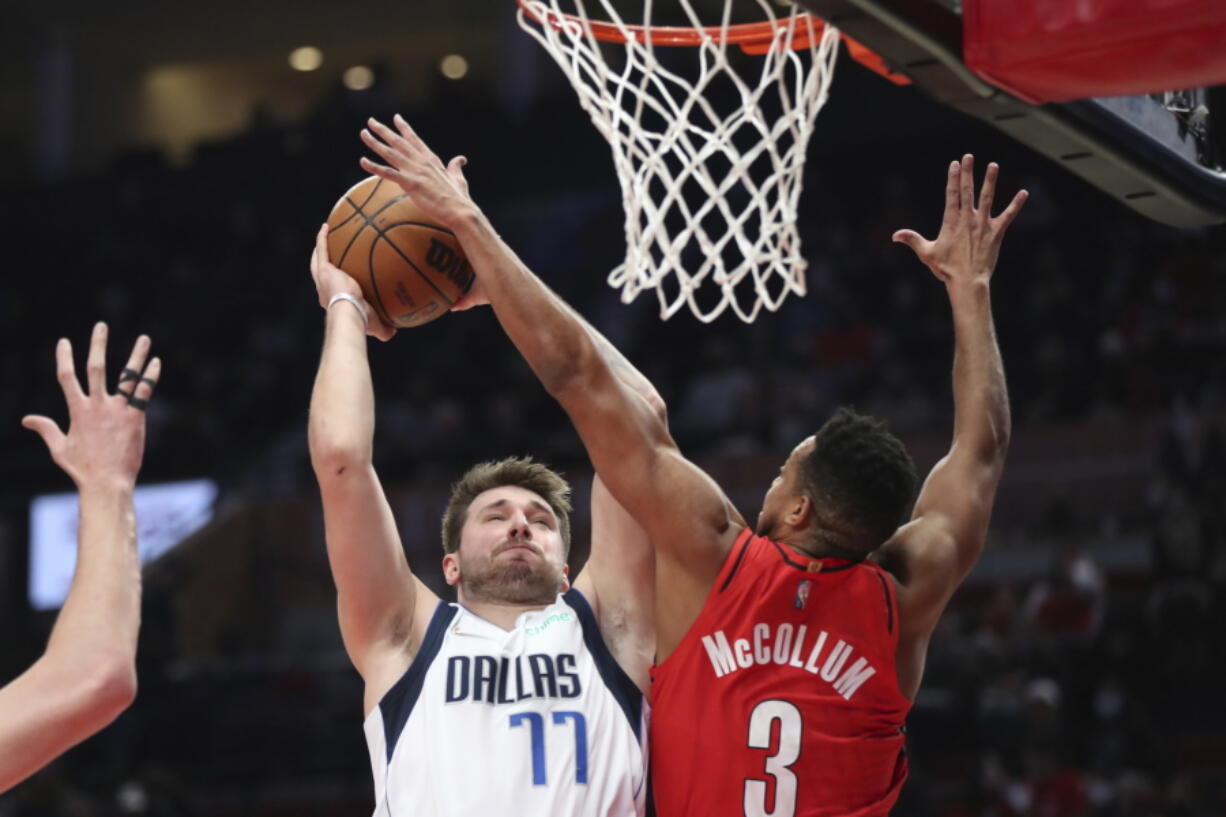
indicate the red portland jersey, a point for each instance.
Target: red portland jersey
{"x":782,"y":698}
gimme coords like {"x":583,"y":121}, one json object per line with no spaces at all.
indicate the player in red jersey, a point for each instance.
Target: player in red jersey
{"x":786,"y":660}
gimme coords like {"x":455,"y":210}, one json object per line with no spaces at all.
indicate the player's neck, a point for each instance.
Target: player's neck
{"x":816,"y":547}
{"x":501,"y":614}
{"x":806,"y":547}
{"x":790,"y":536}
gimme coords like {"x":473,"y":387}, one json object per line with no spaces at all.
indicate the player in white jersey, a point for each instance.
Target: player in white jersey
{"x":535,"y":720}
{"x":526,"y":697}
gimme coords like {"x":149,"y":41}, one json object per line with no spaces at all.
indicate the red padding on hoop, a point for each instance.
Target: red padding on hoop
{"x":1057,"y":50}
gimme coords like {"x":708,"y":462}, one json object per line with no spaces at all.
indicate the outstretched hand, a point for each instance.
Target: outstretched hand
{"x":331,"y":280}
{"x":441,"y":190}
{"x":106,"y":432}
{"x":968,"y":244}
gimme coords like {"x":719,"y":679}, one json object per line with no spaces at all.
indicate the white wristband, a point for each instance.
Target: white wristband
{"x":345,"y":296}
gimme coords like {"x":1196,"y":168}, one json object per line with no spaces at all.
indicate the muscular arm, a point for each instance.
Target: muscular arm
{"x":619,"y":576}
{"x":87,"y":675}
{"x":383,"y":608}
{"x":931,"y":555}
{"x":686,"y":515}
{"x":950,"y":521}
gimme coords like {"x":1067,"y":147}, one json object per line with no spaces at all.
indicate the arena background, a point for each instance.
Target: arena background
{"x":165,"y":170}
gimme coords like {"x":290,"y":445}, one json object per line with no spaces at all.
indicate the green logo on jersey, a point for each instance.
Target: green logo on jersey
{"x":544,"y":625}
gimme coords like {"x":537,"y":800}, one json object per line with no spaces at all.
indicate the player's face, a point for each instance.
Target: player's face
{"x":510,"y":549}
{"x":783,"y":489}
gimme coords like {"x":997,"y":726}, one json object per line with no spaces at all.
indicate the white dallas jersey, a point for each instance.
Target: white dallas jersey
{"x":538,"y":721}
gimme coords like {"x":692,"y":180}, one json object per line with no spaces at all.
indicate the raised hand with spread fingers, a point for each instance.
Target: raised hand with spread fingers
{"x":930,"y":556}
{"x":968,"y":244}
{"x":441,"y":190}
{"x":87,"y":675}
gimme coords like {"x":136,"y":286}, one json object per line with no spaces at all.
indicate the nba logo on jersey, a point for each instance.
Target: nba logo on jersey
{"x":802,"y":594}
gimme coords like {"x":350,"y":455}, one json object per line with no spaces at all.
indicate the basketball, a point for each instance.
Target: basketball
{"x":410,"y":269}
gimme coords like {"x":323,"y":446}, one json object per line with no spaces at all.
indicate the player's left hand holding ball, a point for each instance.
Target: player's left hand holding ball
{"x":331,"y":281}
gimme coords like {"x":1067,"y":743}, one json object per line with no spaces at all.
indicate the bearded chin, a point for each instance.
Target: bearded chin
{"x":511,"y":583}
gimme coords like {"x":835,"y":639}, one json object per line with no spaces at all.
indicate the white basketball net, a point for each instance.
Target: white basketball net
{"x":741,"y":167}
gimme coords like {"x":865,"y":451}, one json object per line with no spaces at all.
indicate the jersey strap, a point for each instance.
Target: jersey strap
{"x":891,"y":602}
{"x":615,"y":678}
{"x":398,"y":703}
{"x":732,"y":562}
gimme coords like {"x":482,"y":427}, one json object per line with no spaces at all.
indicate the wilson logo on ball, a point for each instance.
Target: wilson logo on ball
{"x":410,"y":268}
{"x":450,"y":263}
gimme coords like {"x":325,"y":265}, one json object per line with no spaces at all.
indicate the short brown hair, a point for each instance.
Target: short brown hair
{"x":522,"y":472}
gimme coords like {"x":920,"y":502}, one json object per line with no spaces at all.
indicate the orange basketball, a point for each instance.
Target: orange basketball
{"x":410,"y":269}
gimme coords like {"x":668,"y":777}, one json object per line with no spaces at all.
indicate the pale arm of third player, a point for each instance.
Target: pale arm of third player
{"x":87,"y":675}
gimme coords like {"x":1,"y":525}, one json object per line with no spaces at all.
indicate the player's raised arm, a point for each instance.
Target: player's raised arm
{"x":87,"y":675}
{"x":686,"y":514}
{"x":934,"y":552}
{"x":619,"y":576}
{"x":381,"y":604}
{"x":620,"y":571}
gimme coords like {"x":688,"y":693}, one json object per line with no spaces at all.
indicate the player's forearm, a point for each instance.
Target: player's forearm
{"x":622,"y":367}
{"x":96,"y":631}
{"x":981,"y":400}
{"x":342,"y":416}
{"x":53,"y":706}
{"x":556,"y":344}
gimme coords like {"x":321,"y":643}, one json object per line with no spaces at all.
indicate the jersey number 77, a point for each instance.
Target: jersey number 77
{"x":536,"y":728}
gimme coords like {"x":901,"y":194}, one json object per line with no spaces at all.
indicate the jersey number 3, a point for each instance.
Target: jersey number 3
{"x":536,"y":727}
{"x":761,"y":724}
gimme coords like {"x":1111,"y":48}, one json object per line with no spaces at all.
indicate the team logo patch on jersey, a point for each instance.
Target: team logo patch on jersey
{"x":802,"y":594}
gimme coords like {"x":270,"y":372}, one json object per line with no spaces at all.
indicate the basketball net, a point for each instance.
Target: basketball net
{"x":741,"y":166}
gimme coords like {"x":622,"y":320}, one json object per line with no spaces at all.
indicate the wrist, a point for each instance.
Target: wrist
{"x":357,"y":305}
{"x":975,"y":290}
{"x":109,"y":486}
{"x":469,"y":222}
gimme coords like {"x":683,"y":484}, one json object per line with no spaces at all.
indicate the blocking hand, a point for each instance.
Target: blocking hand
{"x":968,"y":245}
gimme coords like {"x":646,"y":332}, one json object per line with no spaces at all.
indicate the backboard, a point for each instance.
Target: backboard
{"x":1162,"y":154}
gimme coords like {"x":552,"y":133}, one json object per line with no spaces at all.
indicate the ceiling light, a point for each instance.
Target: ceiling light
{"x":453,"y":66}
{"x":306,"y":58}
{"x":358,"y":78}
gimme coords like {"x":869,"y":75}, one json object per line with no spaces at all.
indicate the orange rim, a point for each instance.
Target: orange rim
{"x":753,"y":38}
{"x":756,"y":36}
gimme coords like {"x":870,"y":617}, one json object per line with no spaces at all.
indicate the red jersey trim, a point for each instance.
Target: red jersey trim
{"x":826,"y":564}
{"x":891,"y":603}
{"x":743,"y":541}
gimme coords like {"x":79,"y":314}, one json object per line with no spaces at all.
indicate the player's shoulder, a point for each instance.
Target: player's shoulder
{"x":749,"y":553}
{"x":918,"y":549}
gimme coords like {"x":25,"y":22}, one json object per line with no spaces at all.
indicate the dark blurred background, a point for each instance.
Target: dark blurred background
{"x":165,"y":169}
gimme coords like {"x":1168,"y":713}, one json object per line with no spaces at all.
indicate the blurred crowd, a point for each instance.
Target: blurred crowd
{"x":1087,"y":691}
{"x":1092,"y":688}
